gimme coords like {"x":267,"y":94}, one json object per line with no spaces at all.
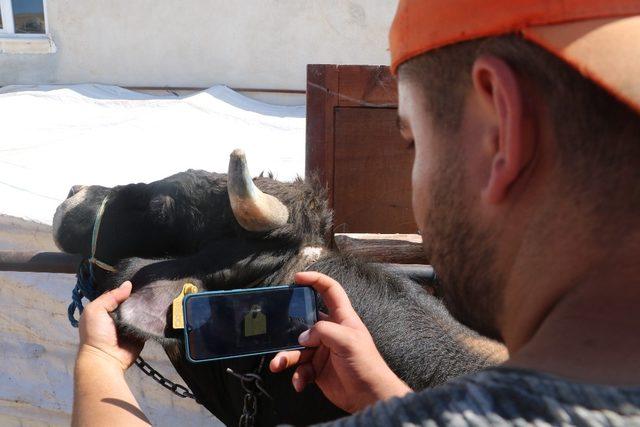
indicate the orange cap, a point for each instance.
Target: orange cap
{"x":600,"y":38}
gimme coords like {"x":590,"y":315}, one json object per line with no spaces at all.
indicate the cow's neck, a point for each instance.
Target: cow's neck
{"x":303,"y":258}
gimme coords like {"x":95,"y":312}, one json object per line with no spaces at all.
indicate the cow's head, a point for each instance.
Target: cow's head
{"x":179,"y":215}
{"x":221,"y":230}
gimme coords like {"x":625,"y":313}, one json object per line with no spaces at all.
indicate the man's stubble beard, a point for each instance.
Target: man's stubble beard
{"x":462,"y":252}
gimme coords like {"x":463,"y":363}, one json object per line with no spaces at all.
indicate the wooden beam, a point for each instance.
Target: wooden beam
{"x":370,"y":86}
{"x":39,"y":262}
{"x":387,"y":248}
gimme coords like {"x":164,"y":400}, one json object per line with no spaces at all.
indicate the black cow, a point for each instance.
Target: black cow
{"x":222,"y":232}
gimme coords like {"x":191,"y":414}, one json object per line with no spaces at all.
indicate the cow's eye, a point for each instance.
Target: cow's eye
{"x":162,"y":209}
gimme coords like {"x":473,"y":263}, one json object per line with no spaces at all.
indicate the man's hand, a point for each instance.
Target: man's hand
{"x":101,"y":394}
{"x":344,"y":361}
{"x":98,"y":337}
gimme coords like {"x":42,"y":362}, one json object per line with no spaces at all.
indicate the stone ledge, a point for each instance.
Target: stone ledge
{"x":39,"y":44}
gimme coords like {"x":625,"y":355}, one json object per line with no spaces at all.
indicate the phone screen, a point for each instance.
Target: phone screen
{"x":225,"y":324}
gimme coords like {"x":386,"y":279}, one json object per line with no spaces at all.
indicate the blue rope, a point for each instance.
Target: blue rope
{"x":84,"y":277}
{"x":83,"y":289}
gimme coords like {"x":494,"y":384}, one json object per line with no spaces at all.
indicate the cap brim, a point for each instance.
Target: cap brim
{"x":604,"y":50}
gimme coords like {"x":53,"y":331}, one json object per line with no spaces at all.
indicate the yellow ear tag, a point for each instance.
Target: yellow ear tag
{"x":255,"y":322}
{"x":178,"y":315}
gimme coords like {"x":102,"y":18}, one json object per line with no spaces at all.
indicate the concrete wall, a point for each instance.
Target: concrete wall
{"x":240,"y":43}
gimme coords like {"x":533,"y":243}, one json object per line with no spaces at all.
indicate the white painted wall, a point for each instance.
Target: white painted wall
{"x":240,"y":43}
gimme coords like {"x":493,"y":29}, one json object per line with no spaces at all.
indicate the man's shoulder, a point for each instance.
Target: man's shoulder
{"x":508,"y":396}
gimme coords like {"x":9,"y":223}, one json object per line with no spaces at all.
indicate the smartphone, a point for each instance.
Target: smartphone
{"x":247,"y":322}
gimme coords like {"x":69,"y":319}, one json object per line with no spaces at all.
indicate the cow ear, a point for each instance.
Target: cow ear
{"x":162,"y":209}
{"x":146,"y":312}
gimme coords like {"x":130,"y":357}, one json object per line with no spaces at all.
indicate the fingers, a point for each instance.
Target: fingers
{"x":339,"y":339}
{"x":111,"y":300}
{"x":303,"y":375}
{"x":286,"y":359}
{"x":332,"y":293}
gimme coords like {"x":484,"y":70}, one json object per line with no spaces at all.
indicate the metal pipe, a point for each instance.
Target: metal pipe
{"x":419,"y":272}
{"x":58,"y":262}
{"x":39,"y":262}
{"x":424,"y":275}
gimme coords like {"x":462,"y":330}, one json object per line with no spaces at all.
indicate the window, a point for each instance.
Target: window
{"x":23,"y":28}
{"x":22,"y":17}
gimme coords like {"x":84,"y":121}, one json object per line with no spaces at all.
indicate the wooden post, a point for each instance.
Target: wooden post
{"x":387,"y":248}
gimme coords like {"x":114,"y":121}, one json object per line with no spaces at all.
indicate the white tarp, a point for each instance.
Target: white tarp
{"x":54,"y":137}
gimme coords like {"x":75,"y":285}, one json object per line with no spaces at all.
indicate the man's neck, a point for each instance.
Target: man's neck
{"x":592,"y":333}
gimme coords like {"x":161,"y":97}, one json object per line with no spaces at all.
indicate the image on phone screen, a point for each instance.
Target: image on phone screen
{"x":225,"y":324}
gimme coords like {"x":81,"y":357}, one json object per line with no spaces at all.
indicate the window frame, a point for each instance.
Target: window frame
{"x":8,"y":25}
{"x":6,"y":9}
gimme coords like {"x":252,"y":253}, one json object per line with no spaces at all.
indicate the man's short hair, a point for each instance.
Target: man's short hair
{"x":598,"y":137}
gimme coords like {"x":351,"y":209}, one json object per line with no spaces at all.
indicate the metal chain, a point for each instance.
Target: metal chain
{"x":251,"y":383}
{"x":177,"y":389}
{"x":249,"y":411}
{"x":253,"y":388}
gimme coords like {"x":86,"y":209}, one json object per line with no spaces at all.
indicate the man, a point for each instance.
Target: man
{"x":525,"y":117}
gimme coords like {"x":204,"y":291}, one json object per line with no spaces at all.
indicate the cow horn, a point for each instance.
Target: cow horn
{"x":253,"y":209}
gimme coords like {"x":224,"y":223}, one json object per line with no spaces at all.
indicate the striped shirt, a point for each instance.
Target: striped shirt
{"x":506,"y":396}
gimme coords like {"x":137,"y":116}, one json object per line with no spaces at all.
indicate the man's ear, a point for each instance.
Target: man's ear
{"x":501,"y":94}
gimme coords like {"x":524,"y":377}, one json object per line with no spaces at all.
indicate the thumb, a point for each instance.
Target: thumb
{"x":110,"y":300}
